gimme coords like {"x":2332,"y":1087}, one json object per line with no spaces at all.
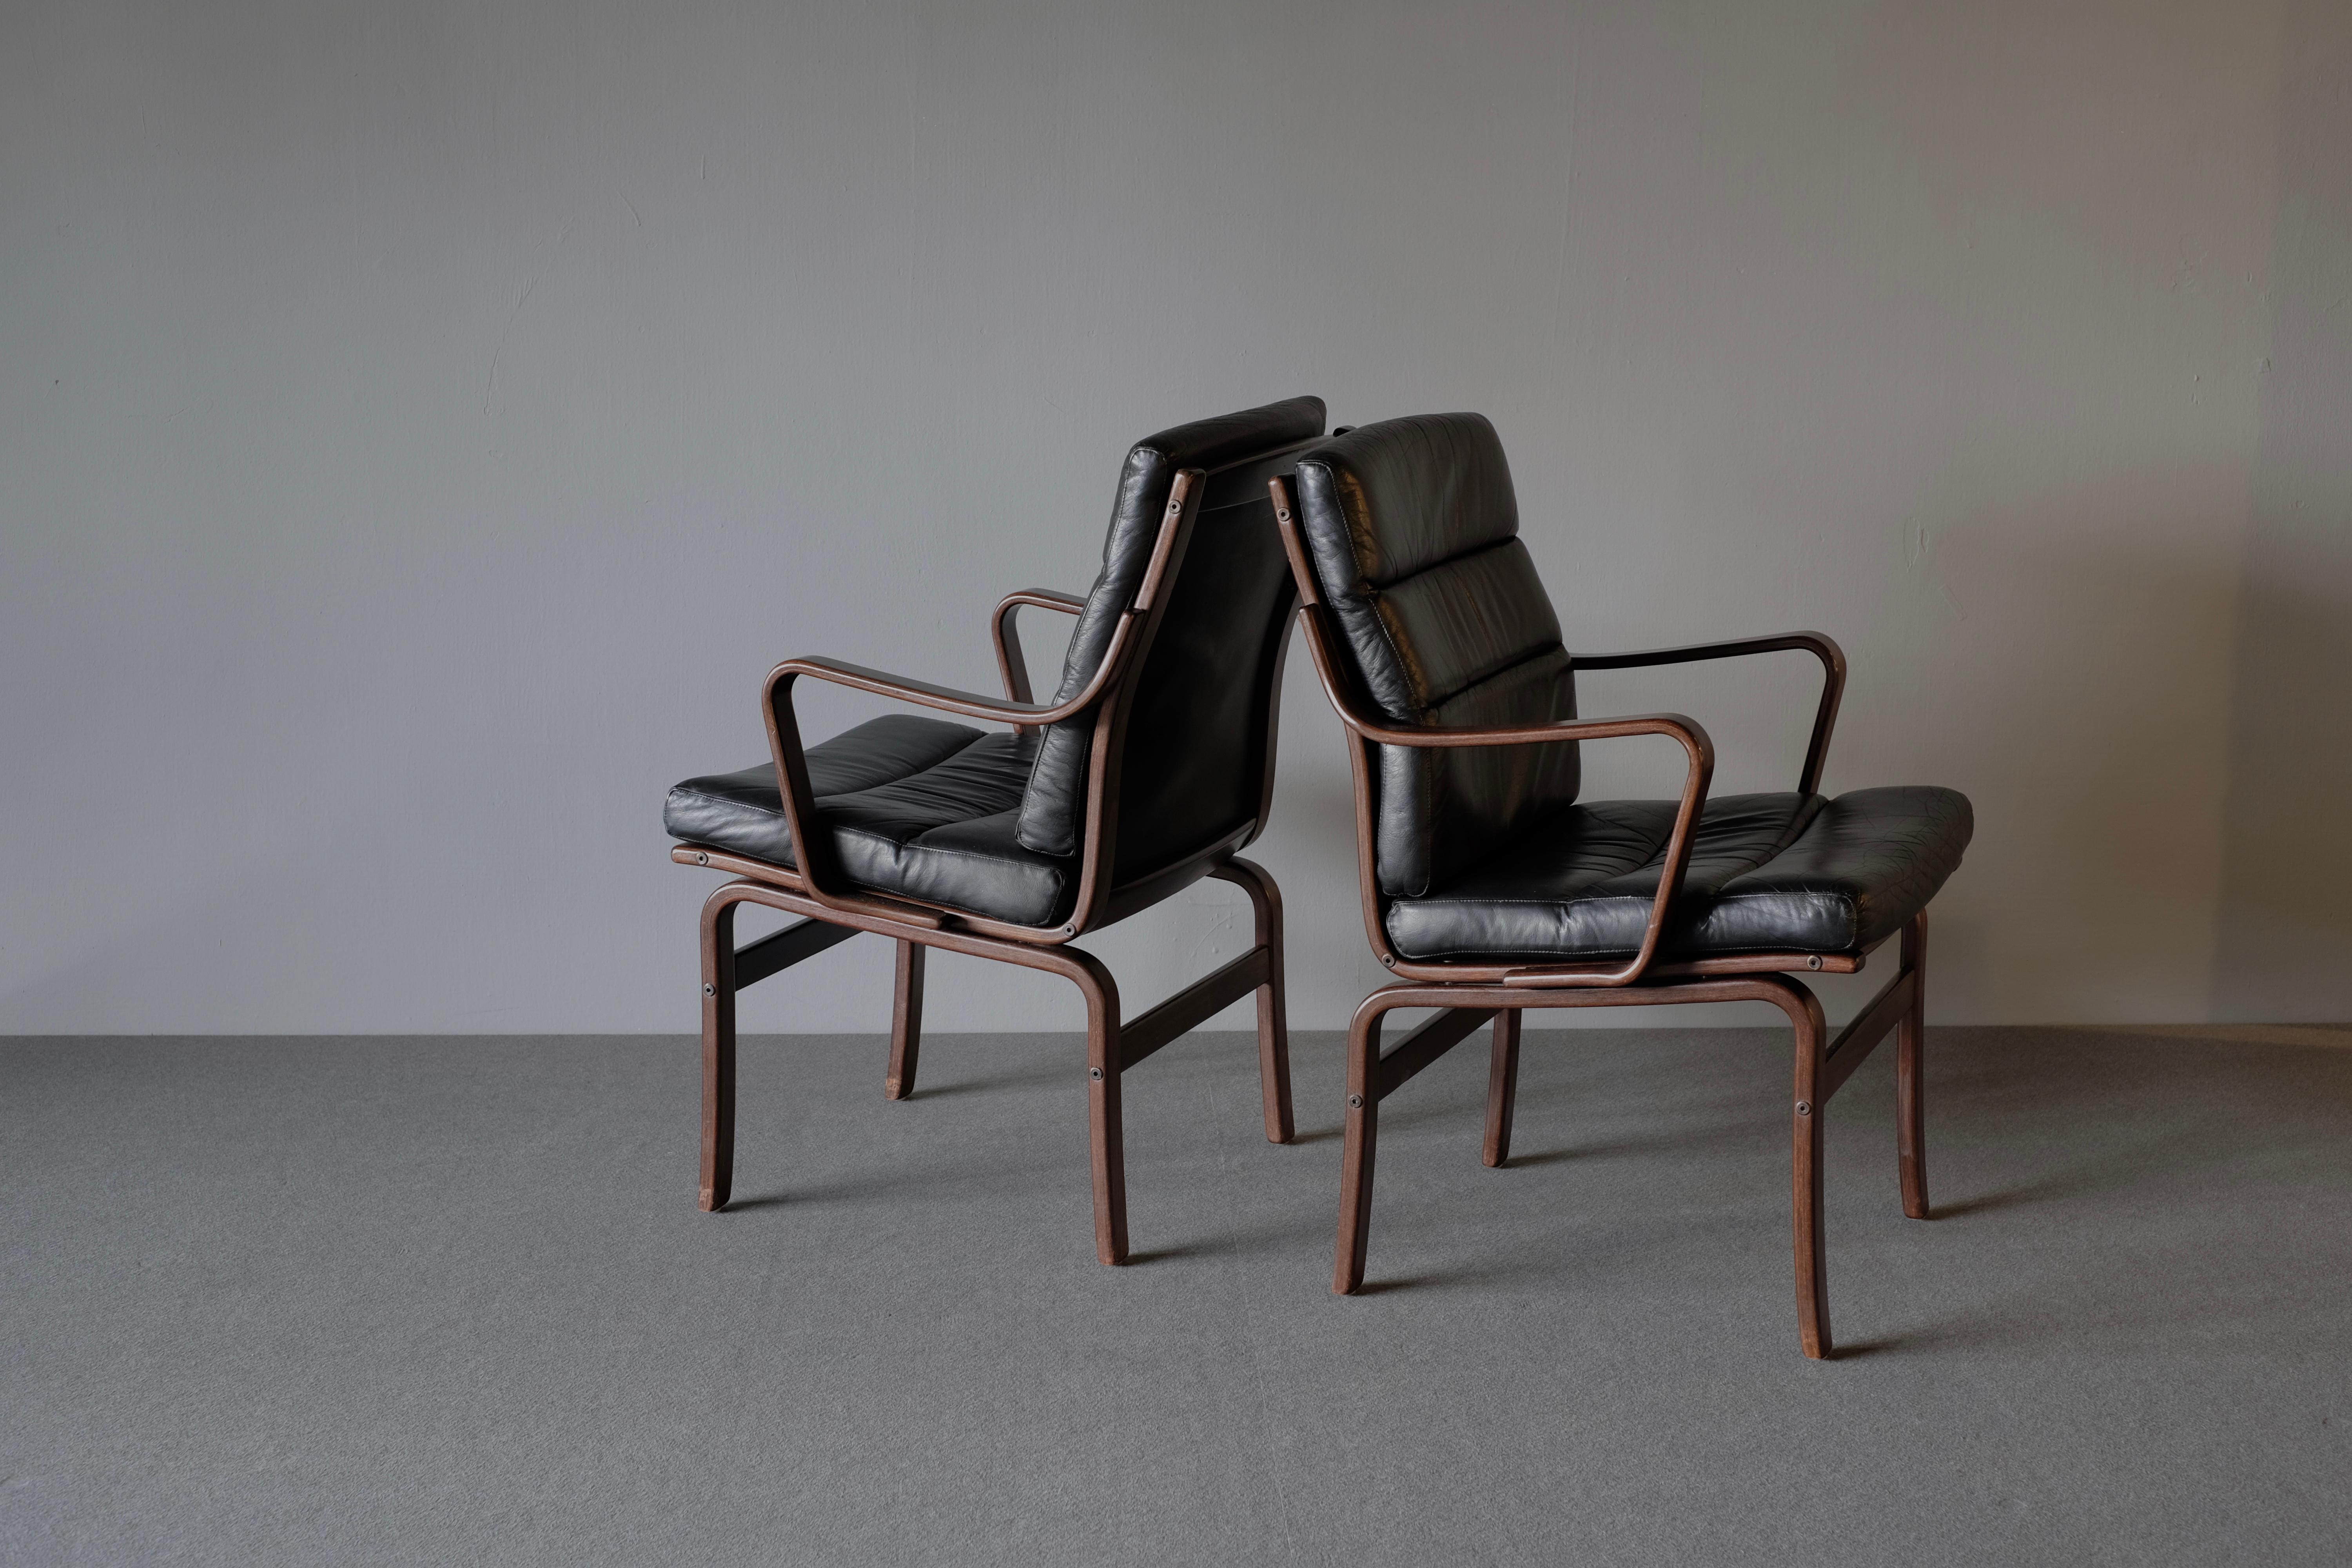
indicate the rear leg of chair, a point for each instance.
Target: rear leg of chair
{"x":718,"y":1049}
{"x":1502,"y":1086}
{"x":1273,"y":1020}
{"x":906,"y":1021}
{"x":1910,"y":1073}
{"x":1362,"y":1141}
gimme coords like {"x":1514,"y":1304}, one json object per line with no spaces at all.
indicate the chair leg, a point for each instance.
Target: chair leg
{"x":1805,"y":1142}
{"x":1105,"y":1124}
{"x":1910,"y":1073}
{"x":1362,"y":1141}
{"x":906,"y":1021}
{"x":1273,"y":1020}
{"x":718,"y":1050}
{"x":1502,"y":1086}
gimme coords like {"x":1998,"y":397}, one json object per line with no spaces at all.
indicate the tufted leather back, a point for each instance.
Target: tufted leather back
{"x":1413,"y":529}
{"x":1198,"y":725}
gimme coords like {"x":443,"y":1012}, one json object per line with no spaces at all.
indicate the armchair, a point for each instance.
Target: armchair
{"x":1150,"y":769}
{"x":1488,"y":887}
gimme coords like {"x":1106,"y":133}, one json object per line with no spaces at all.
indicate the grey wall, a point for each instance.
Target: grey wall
{"x":421,"y":426}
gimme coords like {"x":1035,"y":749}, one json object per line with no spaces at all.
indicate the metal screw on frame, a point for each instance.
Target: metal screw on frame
{"x":1804,"y":1108}
{"x":1355,"y":1103}
{"x":1095,"y":1073}
{"x":710,"y":991}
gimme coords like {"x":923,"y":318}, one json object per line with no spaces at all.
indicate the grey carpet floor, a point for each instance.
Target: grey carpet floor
{"x":443,"y":1301}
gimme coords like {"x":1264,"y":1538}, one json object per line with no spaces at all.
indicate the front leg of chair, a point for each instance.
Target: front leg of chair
{"x":1806,"y":1116}
{"x":717,"y":1049}
{"x":1502,"y":1086}
{"x":1363,"y":1138}
{"x":1910,"y":1073}
{"x":906,"y":1021}
{"x":1104,"y":1120}
{"x":1273,"y":1020}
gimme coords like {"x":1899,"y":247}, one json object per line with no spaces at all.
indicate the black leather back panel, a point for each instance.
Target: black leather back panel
{"x":1413,"y":528}
{"x":1195,"y":737}
{"x":1194,"y":761}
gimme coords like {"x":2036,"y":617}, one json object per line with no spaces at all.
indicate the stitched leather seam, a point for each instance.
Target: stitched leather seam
{"x":1639,"y":900}
{"x":1490,"y":547}
{"x":915,"y":843}
{"x":1547,"y":648}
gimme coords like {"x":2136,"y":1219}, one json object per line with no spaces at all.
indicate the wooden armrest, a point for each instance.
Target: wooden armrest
{"x":952,"y":699}
{"x":1818,"y":643}
{"x":1697,"y":775}
{"x":814,"y":853}
{"x":1009,"y":662}
{"x":1342,"y":689}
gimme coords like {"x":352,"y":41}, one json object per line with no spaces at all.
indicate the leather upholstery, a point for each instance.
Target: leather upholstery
{"x":1413,"y":529}
{"x":916,"y":806}
{"x":1191,"y":752}
{"x":1194,"y":754}
{"x":1769,"y":873}
{"x":1481,"y":853}
{"x":988,"y":823}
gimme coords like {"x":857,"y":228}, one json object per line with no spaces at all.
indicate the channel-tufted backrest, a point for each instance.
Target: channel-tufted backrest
{"x":1413,"y":531}
{"x":1197,"y":726}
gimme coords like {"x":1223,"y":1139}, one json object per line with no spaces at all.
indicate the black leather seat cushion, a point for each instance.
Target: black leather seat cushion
{"x":916,"y":807}
{"x":1769,"y":873}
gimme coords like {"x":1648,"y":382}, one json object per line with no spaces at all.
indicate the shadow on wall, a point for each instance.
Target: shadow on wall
{"x":2283,"y":947}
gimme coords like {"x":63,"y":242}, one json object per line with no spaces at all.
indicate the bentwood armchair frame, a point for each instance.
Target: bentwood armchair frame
{"x":832,"y":911}
{"x":1471,"y":994}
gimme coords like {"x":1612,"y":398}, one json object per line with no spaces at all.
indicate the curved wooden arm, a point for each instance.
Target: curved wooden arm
{"x":1697,"y":747}
{"x":813,"y":850}
{"x":818,"y":871}
{"x":950,"y":700}
{"x":1820,"y":644}
{"x":1007,"y":635}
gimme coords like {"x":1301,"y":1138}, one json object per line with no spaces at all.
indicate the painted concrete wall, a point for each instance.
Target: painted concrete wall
{"x":421,"y":426}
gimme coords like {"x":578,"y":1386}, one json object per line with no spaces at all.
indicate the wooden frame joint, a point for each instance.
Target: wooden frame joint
{"x":1393,"y":1070}
{"x":1859,"y":1038}
{"x":778,"y":952}
{"x":1193,"y":1006}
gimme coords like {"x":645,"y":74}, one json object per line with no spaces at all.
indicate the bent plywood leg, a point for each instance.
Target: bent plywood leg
{"x":1502,"y":1086}
{"x":718,"y":1049}
{"x":906,"y":1021}
{"x":1805,"y":1174}
{"x":1105,"y":1128}
{"x":1910,"y":1073}
{"x":1363,"y":1137}
{"x":1273,"y":1021}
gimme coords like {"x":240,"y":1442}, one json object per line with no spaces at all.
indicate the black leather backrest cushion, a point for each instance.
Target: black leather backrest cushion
{"x":1201,"y":664}
{"x":1414,"y":529}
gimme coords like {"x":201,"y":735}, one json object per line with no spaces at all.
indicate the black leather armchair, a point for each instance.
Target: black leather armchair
{"x":1150,"y":768}
{"x":1489,"y":887}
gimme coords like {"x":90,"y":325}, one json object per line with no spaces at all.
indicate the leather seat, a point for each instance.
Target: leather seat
{"x":990,"y":824}
{"x":1769,"y":873}
{"x":1485,"y":853}
{"x":916,"y":806}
